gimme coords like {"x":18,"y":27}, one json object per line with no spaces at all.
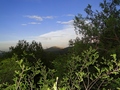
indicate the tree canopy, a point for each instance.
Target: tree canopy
{"x":101,"y":27}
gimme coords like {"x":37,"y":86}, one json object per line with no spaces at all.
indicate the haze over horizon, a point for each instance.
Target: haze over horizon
{"x":47,"y":21}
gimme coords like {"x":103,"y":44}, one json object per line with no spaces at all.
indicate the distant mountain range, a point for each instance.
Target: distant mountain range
{"x":53,"y":49}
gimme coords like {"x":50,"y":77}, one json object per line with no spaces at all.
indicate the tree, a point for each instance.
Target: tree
{"x":101,"y":27}
{"x":78,"y":46}
{"x":21,"y":46}
{"x":29,"y":51}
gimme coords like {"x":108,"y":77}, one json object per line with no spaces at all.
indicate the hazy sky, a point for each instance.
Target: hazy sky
{"x":47,"y":21}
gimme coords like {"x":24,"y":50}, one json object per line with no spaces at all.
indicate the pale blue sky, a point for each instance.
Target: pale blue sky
{"x":46,"y":21}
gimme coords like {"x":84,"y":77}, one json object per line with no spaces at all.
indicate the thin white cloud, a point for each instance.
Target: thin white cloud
{"x":67,"y":22}
{"x":58,"y":38}
{"x":71,"y":15}
{"x":39,"y":18}
{"x":48,"y":17}
{"x":68,"y":15}
{"x":23,"y":24}
{"x":34,"y":23}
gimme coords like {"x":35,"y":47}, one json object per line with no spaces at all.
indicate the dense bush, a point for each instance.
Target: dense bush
{"x":7,"y":68}
{"x":80,"y":73}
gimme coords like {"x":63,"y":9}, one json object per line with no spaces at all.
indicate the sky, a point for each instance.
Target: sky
{"x":47,"y":21}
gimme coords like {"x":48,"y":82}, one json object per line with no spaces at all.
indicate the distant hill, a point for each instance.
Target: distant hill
{"x":56,"y":49}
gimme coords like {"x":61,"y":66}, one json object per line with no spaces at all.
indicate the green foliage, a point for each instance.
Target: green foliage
{"x":31,"y":52}
{"x":23,"y":49}
{"x":7,"y":68}
{"x":81,"y":72}
{"x":101,"y":27}
{"x":86,"y":72}
{"x":25,"y":78}
{"x":77,"y":46}
{"x":60,"y":64}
